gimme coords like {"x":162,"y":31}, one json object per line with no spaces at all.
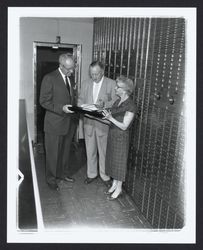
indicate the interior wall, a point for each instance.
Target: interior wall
{"x":71,"y":30}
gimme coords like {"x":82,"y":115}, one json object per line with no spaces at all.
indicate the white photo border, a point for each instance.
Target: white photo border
{"x":185,"y":235}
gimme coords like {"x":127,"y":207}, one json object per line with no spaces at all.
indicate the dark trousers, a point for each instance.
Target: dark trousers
{"x":57,"y":149}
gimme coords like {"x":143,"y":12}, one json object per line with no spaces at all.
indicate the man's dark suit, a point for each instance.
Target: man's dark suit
{"x":59,"y":127}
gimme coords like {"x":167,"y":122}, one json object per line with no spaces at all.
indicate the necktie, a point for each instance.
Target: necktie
{"x":67,"y":84}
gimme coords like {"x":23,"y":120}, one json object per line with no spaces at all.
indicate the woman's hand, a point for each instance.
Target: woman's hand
{"x":107,"y":115}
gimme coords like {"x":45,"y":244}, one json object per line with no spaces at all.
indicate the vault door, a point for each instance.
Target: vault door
{"x":46,"y":60}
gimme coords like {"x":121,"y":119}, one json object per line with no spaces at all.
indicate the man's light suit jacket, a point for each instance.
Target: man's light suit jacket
{"x":106,"y":94}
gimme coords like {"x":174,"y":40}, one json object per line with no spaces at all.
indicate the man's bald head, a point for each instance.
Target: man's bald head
{"x":66,"y":64}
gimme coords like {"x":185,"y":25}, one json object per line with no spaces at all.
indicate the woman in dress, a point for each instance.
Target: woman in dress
{"x":120,"y":118}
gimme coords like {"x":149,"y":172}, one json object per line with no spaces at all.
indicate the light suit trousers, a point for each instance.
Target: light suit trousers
{"x":96,"y":150}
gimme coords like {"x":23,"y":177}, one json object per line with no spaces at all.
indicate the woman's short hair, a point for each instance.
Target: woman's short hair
{"x":129,"y":86}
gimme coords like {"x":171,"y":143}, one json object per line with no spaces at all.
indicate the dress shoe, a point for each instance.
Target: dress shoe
{"x":69,"y":179}
{"x":107,"y":192}
{"x":53,"y":186}
{"x":110,"y":198}
{"x":107,"y":183}
{"x":89,"y":180}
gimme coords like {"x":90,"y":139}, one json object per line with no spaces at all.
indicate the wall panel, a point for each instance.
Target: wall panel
{"x":151,"y":51}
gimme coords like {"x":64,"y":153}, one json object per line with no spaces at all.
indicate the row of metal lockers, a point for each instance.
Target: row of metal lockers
{"x":151,"y":51}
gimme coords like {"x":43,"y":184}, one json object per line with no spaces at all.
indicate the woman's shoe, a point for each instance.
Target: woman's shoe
{"x":107,"y":192}
{"x":110,"y":198}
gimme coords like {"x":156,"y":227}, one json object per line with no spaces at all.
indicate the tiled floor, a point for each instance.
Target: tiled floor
{"x":78,"y":204}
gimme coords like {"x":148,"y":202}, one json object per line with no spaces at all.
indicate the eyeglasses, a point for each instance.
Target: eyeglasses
{"x":118,"y":87}
{"x":68,"y":69}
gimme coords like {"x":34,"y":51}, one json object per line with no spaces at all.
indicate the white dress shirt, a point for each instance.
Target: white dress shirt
{"x":64,"y":78}
{"x":96,"y":89}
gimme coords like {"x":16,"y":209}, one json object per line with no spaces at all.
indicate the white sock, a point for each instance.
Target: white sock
{"x":116,"y":192}
{"x":113,"y":187}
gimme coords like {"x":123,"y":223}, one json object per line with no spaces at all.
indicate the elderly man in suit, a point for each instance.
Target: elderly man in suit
{"x":56,"y":96}
{"x":98,"y":90}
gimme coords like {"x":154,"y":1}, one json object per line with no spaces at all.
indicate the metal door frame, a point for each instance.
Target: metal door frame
{"x":77,"y":50}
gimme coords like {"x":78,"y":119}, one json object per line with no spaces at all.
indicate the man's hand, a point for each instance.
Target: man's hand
{"x":66,"y":108}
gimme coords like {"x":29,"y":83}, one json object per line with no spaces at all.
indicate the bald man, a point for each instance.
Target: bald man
{"x":56,"y":96}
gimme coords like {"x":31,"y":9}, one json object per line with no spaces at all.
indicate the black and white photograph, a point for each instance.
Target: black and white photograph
{"x":101,"y":125}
